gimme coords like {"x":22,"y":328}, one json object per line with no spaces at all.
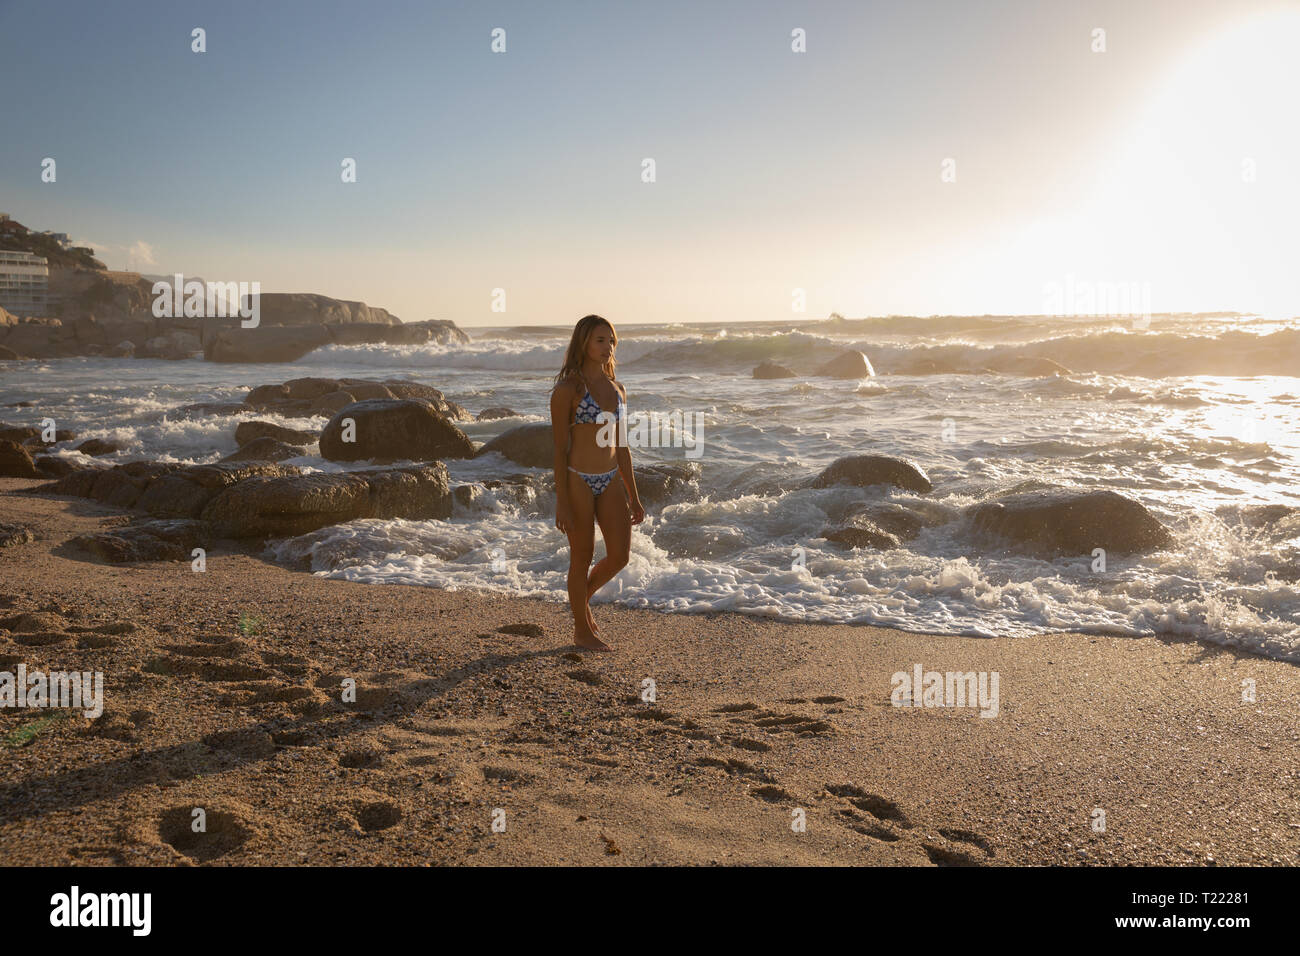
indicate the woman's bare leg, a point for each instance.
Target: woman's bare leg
{"x":581,"y":547}
{"x":616,"y":528}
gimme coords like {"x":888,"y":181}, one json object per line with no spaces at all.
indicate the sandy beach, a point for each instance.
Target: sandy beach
{"x":224,"y":691}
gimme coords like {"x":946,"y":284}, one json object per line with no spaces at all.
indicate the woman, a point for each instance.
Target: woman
{"x":588,"y":458}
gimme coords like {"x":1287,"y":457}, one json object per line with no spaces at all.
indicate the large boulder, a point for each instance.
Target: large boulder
{"x":860,"y":531}
{"x":246,"y":432}
{"x":1061,"y":522}
{"x":302,"y":397}
{"x":848,"y":364}
{"x":666,"y":481}
{"x":532,"y":445}
{"x":770,"y":369}
{"x":16,"y":461}
{"x":171,"y":539}
{"x":265,"y":448}
{"x":120,"y":486}
{"x":394,"y":430}
{"x":865,"y":470}
{"x":274,"y":507}
{"x":185,"y":492}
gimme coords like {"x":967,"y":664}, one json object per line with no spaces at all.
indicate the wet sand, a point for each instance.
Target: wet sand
{"x":224,"y":691}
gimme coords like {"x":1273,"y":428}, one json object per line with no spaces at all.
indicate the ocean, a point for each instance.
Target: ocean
{"x":1197,"y":417}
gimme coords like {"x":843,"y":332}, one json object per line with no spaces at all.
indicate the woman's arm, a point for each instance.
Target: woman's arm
{"x":561,"y":401}
{"x":624,"y":456}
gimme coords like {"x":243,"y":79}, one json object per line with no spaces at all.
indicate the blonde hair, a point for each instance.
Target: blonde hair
{"x":576,"y":353}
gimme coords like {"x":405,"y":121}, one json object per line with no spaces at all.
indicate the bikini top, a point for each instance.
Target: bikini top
{"x":588,"y":409}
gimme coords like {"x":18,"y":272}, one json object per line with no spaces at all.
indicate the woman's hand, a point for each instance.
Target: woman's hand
{"x":638,"y":513}
{"x":563,"y":515}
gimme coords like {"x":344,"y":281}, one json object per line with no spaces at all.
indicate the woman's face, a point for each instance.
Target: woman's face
{"x":600,"y":345}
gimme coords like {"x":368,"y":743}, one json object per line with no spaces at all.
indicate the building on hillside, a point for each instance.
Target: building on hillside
{"x":60,"y":237}
{"x":24,"y":283}
{"x":11,"y":227}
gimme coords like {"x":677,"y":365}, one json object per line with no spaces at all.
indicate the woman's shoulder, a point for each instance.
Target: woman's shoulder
{"x":569,"y":385}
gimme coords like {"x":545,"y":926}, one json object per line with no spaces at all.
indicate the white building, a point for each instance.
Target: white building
{"x":24,"y":283}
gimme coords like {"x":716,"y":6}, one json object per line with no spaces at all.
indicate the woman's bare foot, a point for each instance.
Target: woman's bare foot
{"x":591,"y":623}
{"x":585,"y":639}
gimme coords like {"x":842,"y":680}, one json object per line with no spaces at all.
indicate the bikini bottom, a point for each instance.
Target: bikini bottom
{"x":597,"y":483}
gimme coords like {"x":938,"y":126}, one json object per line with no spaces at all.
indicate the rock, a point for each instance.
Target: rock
{"x":495,"y":412}
{"x":861,"y":532}
{"x":265,"y":343}
{"x":123,"y":349}
{"x":311,"y":396}
{"x":121,"y":485}
{"x":98,"y":446}
{"x":1053,"y":523}
{"x":51,"y":466}
{"x":8,"y":355}
{"x":893,"y":519}
{"x":186,"y":492}
{"x":265,"y":507}
{"x":770,"y":369}
{"x":164,"y":540}
{"x":905,"y":521}
{"x":865,"y":470}
{"x":333,"y":402}
{"x":176,"y":344}
{"x":15,"y":534}
{"x":664,"y":481}
{"x":849,"y":364}
{"x":293,"y":324}
{"x":361,"y":391}
{"x":246,"y":432}
{"x":16,"y":462}
{"x":268,"y":395}
{"x":532,"y":445}
{"x":310,"y":388}
{"x":394,"y":430}
{"x":266,"y":448}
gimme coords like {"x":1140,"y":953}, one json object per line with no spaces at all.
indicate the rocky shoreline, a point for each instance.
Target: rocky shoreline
{"x":111,"y":314}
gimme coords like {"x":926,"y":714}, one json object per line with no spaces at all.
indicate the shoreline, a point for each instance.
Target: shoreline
{"x":754,"y":720}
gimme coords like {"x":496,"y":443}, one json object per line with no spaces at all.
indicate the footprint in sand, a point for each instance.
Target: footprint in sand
{"x":967,"y":836}
{"x":736,"y":767}
{"x":206,"y":669}
{"x":879,"y":807}
{"x":948,"y":856}
{"x":249,"y":743}
{"x":506,"y":775}
{"x":224,"y":832}
{"x":362,"y":758}
{"x":771,"y":793}
{"x":96,"y":642}
{"x":227,"y":650}
{"x":585,"y":677}
{"x":41,"y":638}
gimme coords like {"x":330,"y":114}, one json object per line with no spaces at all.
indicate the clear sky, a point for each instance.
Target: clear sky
{"x":1171,"y":160}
